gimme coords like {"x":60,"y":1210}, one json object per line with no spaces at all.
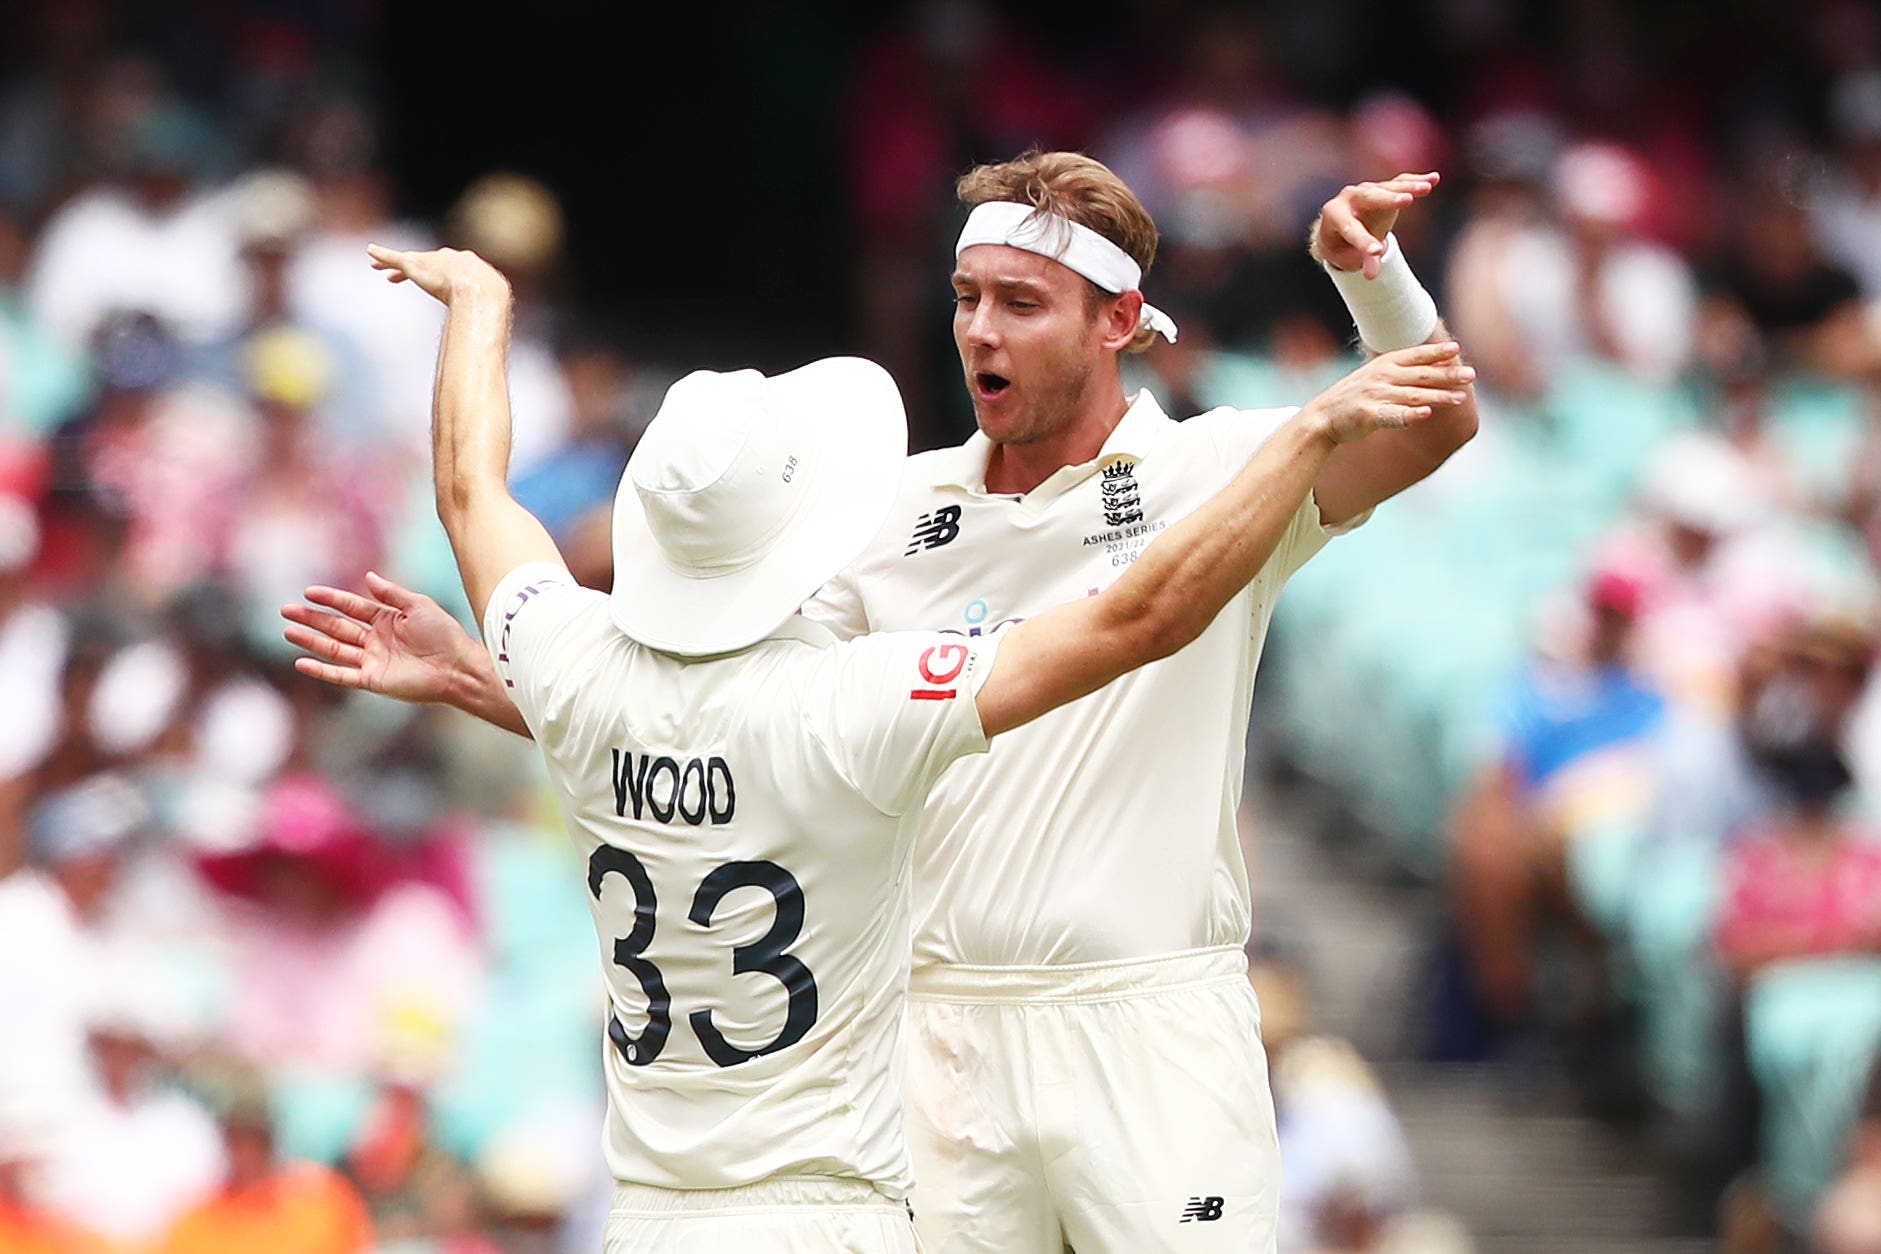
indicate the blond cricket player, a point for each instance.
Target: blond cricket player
{"x":1083,"y":1063}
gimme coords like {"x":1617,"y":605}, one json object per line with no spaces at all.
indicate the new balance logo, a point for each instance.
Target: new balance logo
{"x":1123,"y":504}
{"x":935,"y":529}
{"x":1205,"y":1209}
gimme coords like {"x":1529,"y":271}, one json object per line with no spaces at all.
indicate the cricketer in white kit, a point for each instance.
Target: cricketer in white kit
{"x":744,"y":789}
{"x":1086,"y":1067}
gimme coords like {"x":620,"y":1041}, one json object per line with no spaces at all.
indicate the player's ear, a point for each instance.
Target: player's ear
{"x":1118,"y":319}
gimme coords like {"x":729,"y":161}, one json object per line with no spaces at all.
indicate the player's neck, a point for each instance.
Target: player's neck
{"x":1015,"y":469}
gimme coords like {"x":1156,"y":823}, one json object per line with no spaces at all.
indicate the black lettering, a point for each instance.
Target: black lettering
{"x":694,"y":769}
{"x":716,"y":769}
{"x":629,"y":784}
{"x":672,"y":797}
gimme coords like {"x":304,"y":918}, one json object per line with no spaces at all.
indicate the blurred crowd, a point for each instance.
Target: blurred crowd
{"x":275,"y":961}
{"x":277,"y":970}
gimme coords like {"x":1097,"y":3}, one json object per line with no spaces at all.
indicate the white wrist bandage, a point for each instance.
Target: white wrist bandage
{"x":1391,"y":311}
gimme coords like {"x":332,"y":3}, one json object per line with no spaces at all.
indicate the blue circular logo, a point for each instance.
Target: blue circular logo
{"x":976,"y":612}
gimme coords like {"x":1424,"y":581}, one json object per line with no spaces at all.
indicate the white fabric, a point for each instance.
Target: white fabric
{"x":1105,"y":829}
{"x":798,"y":761}
{"x":48,"y":966}
{"x":33,"y":641}
{"x":1092,"y":1108}
{"x":1392,"y":311}
{"x":1645,"y":293}
{"x":394,"y":335}
{"x":104,"y":251}
{"x":1070,"y":244}
{"x":745,"y":494}
{"x":801,"y":1215}
{"x":128,"y":1172}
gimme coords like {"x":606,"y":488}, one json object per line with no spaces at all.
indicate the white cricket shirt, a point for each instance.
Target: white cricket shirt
{"x":746,"y":824}
{"x":1104,"y":830}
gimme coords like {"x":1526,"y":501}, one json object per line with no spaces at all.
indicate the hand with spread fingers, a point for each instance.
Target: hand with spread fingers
{"x":396,"y":642}
{"x":1350,"y":231}
{"x":1394,"y":390}
{"x":445,"y":273}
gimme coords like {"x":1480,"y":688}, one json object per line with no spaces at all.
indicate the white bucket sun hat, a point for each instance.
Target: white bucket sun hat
{"x":746,"y":494}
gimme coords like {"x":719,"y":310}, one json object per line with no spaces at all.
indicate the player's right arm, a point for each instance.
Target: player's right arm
{"x":1171,"y":593}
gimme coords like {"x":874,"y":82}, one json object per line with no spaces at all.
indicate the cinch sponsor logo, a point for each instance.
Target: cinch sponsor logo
{"x":516,"y":602}
{"x":698,"y":790}
{"x":976,"y":614}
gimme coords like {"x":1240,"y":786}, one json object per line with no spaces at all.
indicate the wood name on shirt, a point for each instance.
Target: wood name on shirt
{"x":695,"y":791}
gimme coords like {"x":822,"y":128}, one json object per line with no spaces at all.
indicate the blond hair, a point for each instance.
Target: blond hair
{"x":1079,"y":188}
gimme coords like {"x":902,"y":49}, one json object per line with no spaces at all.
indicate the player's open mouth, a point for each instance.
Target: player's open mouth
{"x":990,"y":385}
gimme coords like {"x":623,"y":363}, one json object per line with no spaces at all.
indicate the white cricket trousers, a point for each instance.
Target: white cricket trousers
{"x":1111,"y":1108}
{"x":786,"y":1215}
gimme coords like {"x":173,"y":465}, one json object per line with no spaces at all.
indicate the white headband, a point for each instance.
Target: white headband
{"x":1079,"y":247}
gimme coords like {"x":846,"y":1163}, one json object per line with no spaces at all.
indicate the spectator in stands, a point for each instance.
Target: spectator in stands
{"x":154,"y":238}
{"x":135,"y":1152}
{"x":327,"y":957}
{"x":1508,"y":157}
{"x":1805,"y":880}
{"x":1772,"y":281}
{"x":1570,"y":757}
{"x":605,"y":420}
{"x":55,"y":922}
{"x":1718,"y":573}
{"x":338,"y":153}
{"x":415,"y":1192}
{"x":1346,"y":1178}
{"x":299,"y":510}
{"x":1721,"y":780}
{"x":1559,"y":271}
{"x":162,"y":451}
{"x":264,"y":1203}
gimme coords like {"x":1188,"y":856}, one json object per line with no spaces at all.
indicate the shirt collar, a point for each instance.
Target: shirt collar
{"x":1135,"y":434}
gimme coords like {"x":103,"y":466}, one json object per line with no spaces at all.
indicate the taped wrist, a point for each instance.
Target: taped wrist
{"x":1391,"y":311}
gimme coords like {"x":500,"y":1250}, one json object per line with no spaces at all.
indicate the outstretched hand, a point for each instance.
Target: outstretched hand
{"x":1394,"y":390}
{"x":446,"y":273}
{"x":396,"y":642}
{"x":1350,"y":233}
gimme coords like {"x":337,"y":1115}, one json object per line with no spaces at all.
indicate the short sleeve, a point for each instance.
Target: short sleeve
{"x":902,"y":711}
{"x":1238,"y":435}
{"x":533,"y":609}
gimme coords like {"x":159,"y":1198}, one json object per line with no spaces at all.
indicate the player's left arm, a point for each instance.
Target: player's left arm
{"x":1352,"y":238}
{"x":490,"y":532}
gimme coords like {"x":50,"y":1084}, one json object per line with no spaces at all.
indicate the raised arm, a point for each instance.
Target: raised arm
{"x":490,"y":533}
{"x":1171,"y":593}
{"x":1352,"y":239}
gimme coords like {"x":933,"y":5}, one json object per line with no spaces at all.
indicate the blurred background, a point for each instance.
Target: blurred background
{"x":1560,"y":813}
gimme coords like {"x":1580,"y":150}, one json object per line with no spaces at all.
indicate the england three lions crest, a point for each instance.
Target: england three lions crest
{"x":1123,"y":504}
